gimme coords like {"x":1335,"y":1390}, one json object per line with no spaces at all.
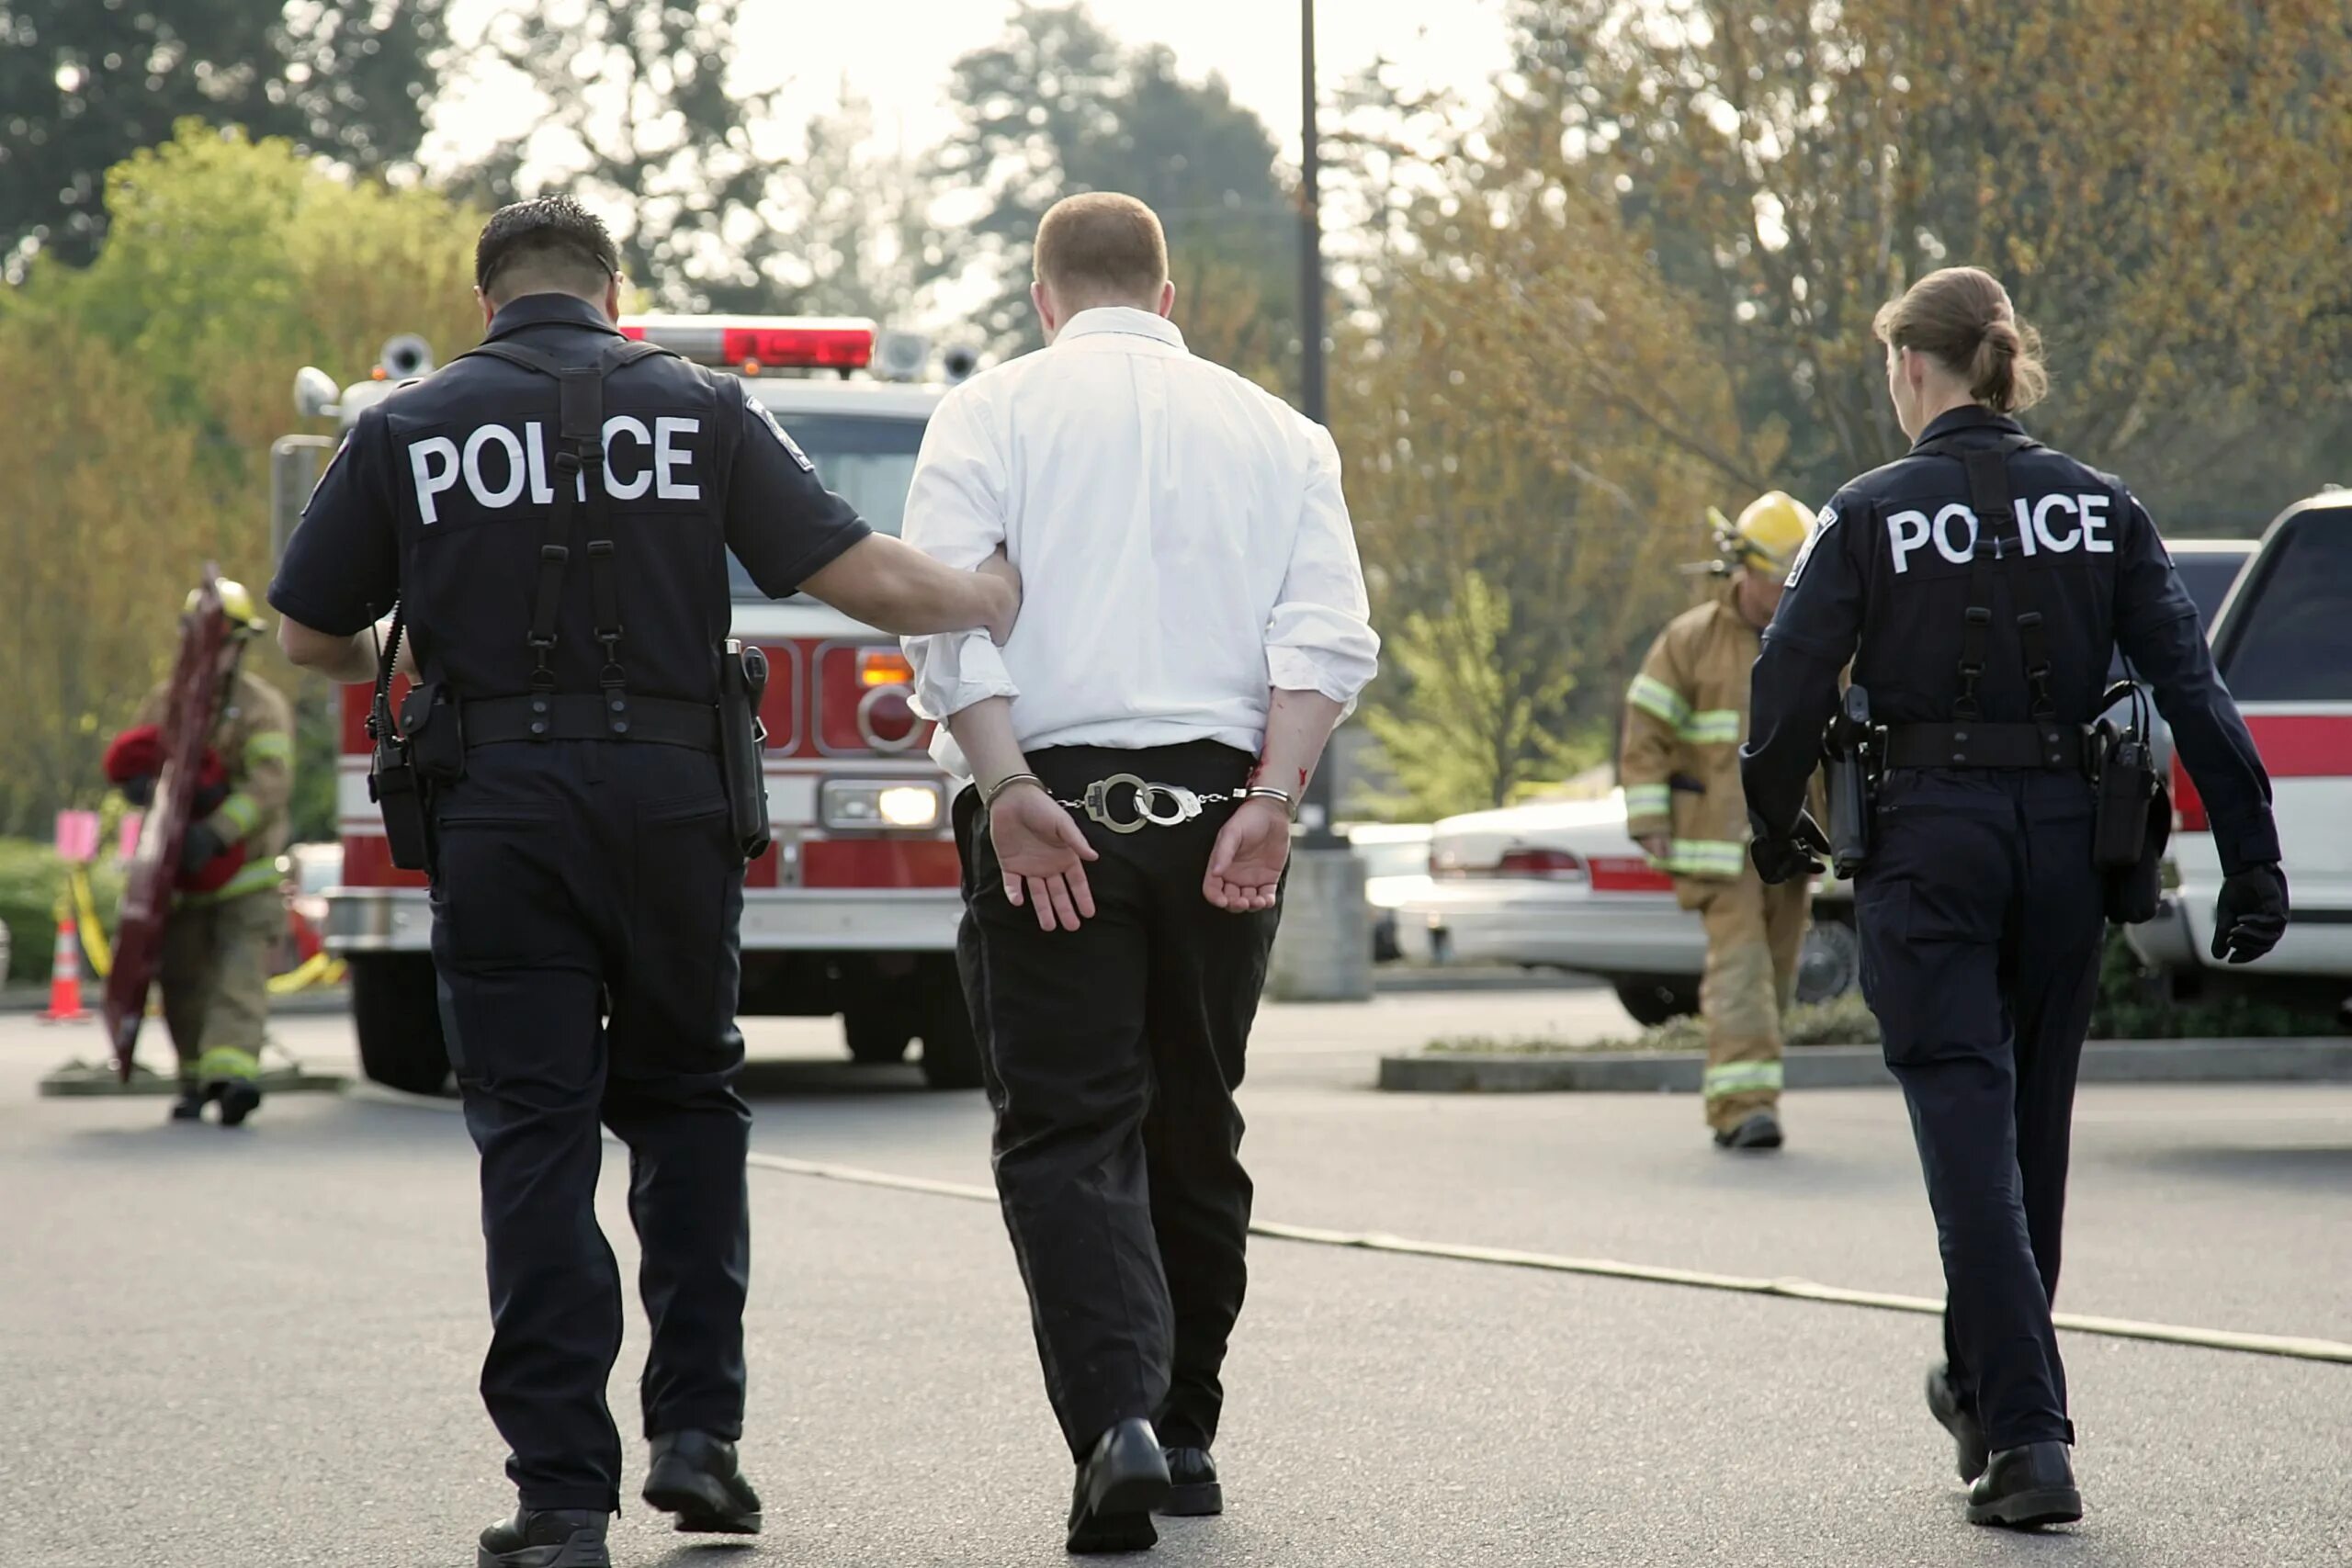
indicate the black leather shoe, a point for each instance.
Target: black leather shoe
{"x":1192,"y":1486}
{"x":693,"y":1475}
{"x":1969,"y":1449}
{"x":1119,"y":1483}
{"x":546,"y":1537}
{"x":2026,"y":1488}
{"x":189,"y":1106}
{"x":1761,"y":1130}
{"x":239,"y":1100}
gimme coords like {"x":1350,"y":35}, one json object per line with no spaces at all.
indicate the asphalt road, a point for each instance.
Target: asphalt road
{"x":225,"y":1350}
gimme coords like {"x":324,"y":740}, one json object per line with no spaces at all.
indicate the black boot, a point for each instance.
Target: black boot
{"x":1119,"y":1483}
{"x":1946,"y":1401}
{"x":2026,"y":1487}
{"x":695,"y":1476}
{"x":189,"y":1106}
{"x":1192,"y":1488}
{"x":1759,"y":1130}
{"x":240,"y":1097}
{"x":546,"y":1537}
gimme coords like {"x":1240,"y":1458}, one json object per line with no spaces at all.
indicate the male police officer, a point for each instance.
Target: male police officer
{"x":554,"y":513}
{"x":1978,"y":586}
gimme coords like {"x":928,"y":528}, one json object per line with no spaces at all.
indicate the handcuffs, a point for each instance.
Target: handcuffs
{"x":1156,"y":804}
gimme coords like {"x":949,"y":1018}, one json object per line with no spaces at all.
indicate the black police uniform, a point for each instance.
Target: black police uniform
{"x":587,"y":887}
{"x":1980,"y":911}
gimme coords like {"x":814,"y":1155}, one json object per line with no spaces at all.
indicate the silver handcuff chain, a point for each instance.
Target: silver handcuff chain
{"x":1182,"y":805}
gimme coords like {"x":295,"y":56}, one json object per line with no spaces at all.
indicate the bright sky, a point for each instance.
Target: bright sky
{"x":897,"y":53}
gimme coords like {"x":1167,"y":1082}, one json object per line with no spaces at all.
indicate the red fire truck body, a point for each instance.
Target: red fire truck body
{"x":853,"y":909}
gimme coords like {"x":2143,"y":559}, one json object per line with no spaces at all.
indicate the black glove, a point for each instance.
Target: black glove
{"x":141,"y":791}
{"x":2251,"y":914}
{"x":1781,"y":859}
{"x":198,"y":848}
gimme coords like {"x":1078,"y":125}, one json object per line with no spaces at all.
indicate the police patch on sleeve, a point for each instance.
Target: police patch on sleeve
{"x":1821,"y":525}
{"x":784,"y":440}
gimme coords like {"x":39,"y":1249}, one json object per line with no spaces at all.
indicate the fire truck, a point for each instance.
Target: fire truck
{"x":853,"y":911}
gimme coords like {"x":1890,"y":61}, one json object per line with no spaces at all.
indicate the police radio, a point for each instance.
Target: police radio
{"x":2135,"y":820}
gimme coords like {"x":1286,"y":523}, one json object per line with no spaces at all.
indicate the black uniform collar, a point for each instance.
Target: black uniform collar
{"x":1968,"y":416}
{"x":548,"y":310}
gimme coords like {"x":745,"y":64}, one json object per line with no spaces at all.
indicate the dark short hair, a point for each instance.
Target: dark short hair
{"x":550,"y":239}
{"x":1102,"y":243}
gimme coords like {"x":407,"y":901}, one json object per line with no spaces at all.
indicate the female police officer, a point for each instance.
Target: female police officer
{"x":1978,"y":586}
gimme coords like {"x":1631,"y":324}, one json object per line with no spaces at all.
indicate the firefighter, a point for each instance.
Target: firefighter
{"x":1686,"y":714}
{"x":564,"y":575}
{"x":228,"y":911}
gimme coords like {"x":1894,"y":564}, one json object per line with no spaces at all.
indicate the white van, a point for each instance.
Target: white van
{"x":2283,"y":643}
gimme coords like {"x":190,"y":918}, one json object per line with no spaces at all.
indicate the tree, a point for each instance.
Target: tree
{"x":86,"y":83}
{"x":2170,"y":210}
{"x":1472,"y":723}
{"x":645,"y":120}
{"x":138,"y":399}
{"x":1058,"y":106}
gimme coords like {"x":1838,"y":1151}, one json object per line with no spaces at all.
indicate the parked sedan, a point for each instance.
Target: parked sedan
{"x":1396,"y":858}
{"x":1558,"y":884}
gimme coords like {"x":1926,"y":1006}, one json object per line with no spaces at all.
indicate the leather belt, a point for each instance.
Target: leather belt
{"x":2051,"y":747}
{"x":568,"y":715}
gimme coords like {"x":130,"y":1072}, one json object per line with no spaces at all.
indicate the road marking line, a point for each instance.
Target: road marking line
{"x":2293,"y":1346}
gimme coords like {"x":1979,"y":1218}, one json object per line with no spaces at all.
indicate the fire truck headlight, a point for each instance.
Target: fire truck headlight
{"x":873,"y":804}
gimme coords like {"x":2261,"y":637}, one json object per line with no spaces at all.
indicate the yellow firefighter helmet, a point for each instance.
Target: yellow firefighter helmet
{"x":1771,"y":532}
{"x":236,"y":607}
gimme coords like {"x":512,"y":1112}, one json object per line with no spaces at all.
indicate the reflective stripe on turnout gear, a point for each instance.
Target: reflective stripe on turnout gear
{"x":253,"y":877}
{"x":1742,"y":1077}
{"x":1705,"y":857}
{"x":1654,"y":697}
{"x":227,"y":1062}
{"x":1649,"y":800}
{"x":1712,"y":727}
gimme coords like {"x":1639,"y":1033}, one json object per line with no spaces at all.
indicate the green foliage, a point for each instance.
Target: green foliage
{"x":86,"y":83}
{"x":1059,"y":105}
{"x":138,"y":399}
{"x":32,"y":879}
{"x":1469,"y":723}
{"x":660,"y":142}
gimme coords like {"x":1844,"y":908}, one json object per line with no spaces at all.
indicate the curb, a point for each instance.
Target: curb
{"x":2290,"y":1059}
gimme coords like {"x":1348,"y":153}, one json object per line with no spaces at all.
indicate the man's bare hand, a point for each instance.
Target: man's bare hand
{"x":1246,"y":866}
{"x":1043,"y":856}
{"x":998,"y":568}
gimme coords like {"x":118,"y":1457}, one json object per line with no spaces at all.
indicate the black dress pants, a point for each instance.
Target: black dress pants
{"x":586,"y":902}
{"x":1981,"y":924}
{"x":1111,"y":1055}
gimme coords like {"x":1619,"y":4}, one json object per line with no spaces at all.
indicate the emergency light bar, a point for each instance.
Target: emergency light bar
{"x":752,"y":343}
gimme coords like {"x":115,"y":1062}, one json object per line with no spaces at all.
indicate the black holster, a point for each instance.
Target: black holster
{"x":1849,"y":744}
{"x":2133,"y":826}
{"x":742,"y":681}
{"x":393,"y":782}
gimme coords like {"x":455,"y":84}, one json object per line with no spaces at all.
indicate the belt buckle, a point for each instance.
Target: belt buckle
{"x":1182,"y":805}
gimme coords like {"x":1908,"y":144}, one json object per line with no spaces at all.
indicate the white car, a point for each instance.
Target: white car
{"x":1396,"y":858}
{"x":1557,"y":884}
{"x":2283,"y":643}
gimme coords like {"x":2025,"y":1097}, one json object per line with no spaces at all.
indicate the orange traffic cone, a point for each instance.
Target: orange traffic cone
{"x":66,"y":977}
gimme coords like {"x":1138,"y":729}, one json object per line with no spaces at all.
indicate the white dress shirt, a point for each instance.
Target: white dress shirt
{"x":1183,"y":542}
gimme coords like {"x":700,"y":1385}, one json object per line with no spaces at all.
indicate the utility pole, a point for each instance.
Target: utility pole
{"x":1324,"y":953}
{"x":1316,"y":810}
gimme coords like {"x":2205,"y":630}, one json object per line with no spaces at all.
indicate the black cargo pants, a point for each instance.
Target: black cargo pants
{"x":1111,"y":1055}
{"x":585,"y":909}
{"x":1981,"y":924}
